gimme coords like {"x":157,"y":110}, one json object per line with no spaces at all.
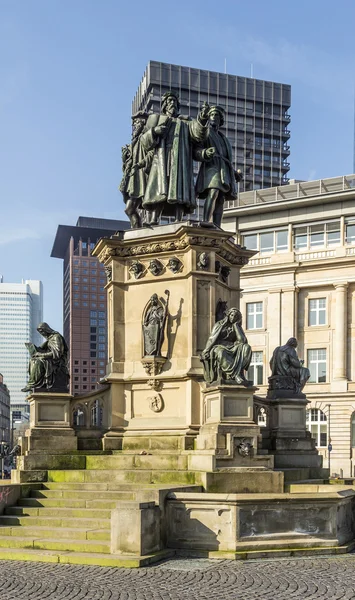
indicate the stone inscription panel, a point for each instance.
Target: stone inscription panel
{"x":51,"y":412}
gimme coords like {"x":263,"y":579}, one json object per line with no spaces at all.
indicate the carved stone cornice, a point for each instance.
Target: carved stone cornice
{"x":187,"y":236}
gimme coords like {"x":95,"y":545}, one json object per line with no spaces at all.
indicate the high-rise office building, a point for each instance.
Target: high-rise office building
{"x":21,"y":311}
{"x":84,"y":299}
{"x":4,"y":411}
{"x":257,"y":119}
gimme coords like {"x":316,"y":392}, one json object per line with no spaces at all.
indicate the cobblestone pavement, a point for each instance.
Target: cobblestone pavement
{"x":184,"y":579}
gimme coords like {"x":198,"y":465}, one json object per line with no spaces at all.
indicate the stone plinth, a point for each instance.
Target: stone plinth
{"x":251,"y":522}
{"x":50,"y":427}
{"x":286,"y":435}
{"x":163,"y":397}
{"x":135,"y":528}
{"x":228,"y":437}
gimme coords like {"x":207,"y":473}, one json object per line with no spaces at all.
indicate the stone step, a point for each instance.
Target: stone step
{"x":68,"y":503}
{"x":123,"y":476}
{"x":109,"y":486}
{"x":58,"y":512}
{"x":78,"y":494}
{"x":54,"y":522}
{"x":161,"y":462}
{"x":71,"y":545}
{"x":57,"y":532}
{"x":82,"y":558}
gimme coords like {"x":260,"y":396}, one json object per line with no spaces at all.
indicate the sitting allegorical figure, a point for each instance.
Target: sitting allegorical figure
{"x":227,"y":354}
{"x":48,"y":366}
{"x":285,"y":363}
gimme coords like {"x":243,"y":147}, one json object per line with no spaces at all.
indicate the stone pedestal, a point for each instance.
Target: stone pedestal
{"x":228,"y":438}
{"x":135,"y":528}
{"x":50,"y":427}
{"x":286,"y":436}
{"x":161,"y":397}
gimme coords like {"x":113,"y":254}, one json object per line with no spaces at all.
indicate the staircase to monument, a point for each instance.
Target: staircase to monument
{"x":70,"y":522}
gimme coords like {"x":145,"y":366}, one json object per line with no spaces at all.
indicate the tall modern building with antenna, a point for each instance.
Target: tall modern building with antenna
{"x":257,"y":118}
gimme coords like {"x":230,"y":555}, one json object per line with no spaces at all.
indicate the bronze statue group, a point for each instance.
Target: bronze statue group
{"x":158,"y":176}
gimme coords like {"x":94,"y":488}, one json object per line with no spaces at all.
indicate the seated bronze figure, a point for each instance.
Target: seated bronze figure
{"x":227,"y":354}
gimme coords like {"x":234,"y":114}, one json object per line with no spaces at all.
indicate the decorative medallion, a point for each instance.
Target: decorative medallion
{"x":155,"y":267}
{"x":244,"y":447}
{"x":174,"y":265}
{"x":156,"y":403}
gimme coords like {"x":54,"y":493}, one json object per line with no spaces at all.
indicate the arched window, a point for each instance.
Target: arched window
{"x":96,"y":414}
{"x":262,"y":418}
{"x":78,"y":416}
{"x":316,"y":421}
{"x":353,"y":430}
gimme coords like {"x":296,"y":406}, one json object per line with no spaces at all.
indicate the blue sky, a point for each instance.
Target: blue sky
{"x":69,"y":70}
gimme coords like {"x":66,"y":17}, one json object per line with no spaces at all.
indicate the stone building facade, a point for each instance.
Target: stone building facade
{"x":301,"y":283}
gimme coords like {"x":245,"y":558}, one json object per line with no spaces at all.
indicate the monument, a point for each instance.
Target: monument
{"x":172,"y":437}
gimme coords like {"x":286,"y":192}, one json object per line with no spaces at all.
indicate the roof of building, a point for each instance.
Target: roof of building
{"x":86,"y":228}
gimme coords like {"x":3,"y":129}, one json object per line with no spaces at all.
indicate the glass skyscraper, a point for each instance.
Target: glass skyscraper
{"x":21,"y":311}
{"x":257,"y":119}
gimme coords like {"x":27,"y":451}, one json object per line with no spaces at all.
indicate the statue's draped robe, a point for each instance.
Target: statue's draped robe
{"x":170,"y":180}
{"x":285,"y":363}
{"x":152,"y":330}
{"x":229,"y":352}
{"x":217,"y":172}
{"x":134,"y":186}
{"x":43,"y":370}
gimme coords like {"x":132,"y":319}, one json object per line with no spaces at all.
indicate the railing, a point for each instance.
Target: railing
{"x":315,"y":255}
{"x":294,"y":191}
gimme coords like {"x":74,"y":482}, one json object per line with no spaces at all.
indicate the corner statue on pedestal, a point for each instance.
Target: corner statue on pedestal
{"x":227,"y":354}
{"x":287,"y":370}
{"x":154,"y":320}
{"x":48,"y":370}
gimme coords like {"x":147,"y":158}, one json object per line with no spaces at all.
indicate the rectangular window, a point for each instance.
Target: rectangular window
{"x":316,"y":236}
{"x":317,"y":311}
{"x":333,"y":233}
{"x":254,"y":315}
{"x":317,"y":364}
{"x":251,"y":241}
{"x":255,"y":371}
{"x":300,"y":235}
{"x":267,"y":242}
{"x":350,"y":233}
{"x":282,"y":240}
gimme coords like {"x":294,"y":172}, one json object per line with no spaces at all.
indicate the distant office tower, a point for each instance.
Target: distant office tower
{"x":4,"y":411}
{"x":257,"y":121}
{"x":84,"y":299}
{"x":21,"y":311}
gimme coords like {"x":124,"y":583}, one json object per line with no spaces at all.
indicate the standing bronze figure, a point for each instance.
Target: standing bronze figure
{"x":48,"y":366}
{"x":172,"y":137}
{"x":154,"y":321}
{"x":216,"y":180}
{"x":227,"y":354}
{"x":135,"y":166}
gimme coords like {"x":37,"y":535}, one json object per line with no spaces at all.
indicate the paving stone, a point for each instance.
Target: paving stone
{"x":323,"y":577}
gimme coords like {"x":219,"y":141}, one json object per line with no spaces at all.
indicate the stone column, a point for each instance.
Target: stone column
{"x":340,"y":341}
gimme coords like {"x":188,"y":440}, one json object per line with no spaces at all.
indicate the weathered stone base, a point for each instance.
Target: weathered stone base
{"x":259,"y":521}
{"x":41,"y":439}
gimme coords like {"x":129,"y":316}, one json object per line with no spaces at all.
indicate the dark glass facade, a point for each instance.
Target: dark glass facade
{"x":257,"y":119}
